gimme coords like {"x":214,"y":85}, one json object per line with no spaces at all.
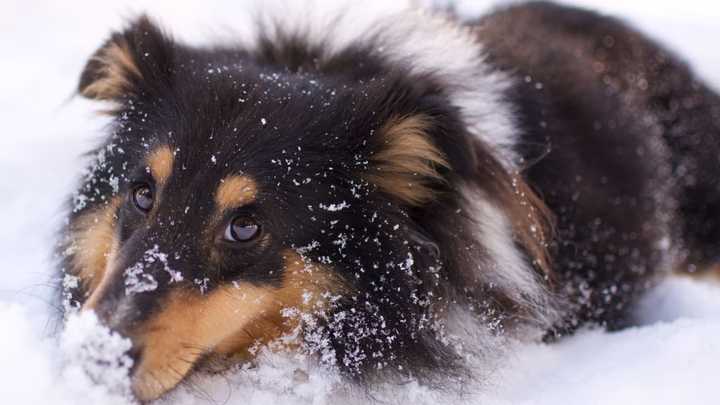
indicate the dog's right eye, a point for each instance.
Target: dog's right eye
{"x":240,"y":230}
{"x":142,"y":197}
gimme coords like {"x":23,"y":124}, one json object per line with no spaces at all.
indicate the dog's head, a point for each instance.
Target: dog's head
{"x":238,"y":189}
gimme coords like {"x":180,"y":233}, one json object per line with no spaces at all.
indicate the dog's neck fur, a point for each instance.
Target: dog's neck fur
{"x":429,"y":44}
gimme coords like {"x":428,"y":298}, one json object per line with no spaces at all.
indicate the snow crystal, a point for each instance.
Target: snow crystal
{"x":154,"y":254}
{"x":302,"y":250}
{"x":334,"y":207}
{"x":408,"y":264}
{"x":138,"y":281}
{"x":202,"y":283}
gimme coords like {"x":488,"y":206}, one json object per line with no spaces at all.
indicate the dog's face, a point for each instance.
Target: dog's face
{"x":232,"y":195}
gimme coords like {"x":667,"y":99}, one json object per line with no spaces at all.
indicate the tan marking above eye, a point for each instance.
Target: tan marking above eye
{"x":235,"y":191}
{"x":160,"y":162}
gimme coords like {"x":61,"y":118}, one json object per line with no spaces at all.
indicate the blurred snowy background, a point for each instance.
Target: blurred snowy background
{"x":673,"y":357}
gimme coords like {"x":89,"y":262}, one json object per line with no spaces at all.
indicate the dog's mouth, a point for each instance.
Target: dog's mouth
{"x":188,"y":325}
{"x":213,"y":328}
{"x":153,"y":376}
{"x":167,"y":347}
{"x":151,"y":381}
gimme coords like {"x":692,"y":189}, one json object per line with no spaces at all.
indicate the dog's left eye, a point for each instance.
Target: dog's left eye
{"x":241,"y":230}
{"x":143,"y":198}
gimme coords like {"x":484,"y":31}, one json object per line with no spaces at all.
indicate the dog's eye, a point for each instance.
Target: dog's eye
{"x":143,"y":198}
{"x":241,"y":230}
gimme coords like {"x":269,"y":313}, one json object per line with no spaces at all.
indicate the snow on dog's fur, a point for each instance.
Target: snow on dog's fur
{"x":371,"y":199}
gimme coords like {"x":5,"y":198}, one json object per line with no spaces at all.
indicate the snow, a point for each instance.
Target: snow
{"x":38,"y":370}
{"x":671,"y":357}
{"x":137,"y":281}
{"x":95,"y":356}
{"x":335,"y":207}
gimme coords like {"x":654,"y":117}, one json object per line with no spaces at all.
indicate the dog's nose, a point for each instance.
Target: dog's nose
{"x":128,"y":293}
{"x":119,"y":313}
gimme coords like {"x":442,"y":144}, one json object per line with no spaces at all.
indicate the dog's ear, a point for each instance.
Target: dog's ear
{"x":132,"y":63}
{"x":406,"y":164}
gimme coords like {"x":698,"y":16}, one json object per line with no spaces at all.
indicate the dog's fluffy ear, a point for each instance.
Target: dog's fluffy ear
{"x":130,"y":64}
{"x":406,"y":164}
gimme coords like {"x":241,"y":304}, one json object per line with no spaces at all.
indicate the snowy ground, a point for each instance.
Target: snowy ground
{"x":672,"y":358}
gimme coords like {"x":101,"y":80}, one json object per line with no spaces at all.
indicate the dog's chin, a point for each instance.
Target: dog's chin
{"x":152,"y":381}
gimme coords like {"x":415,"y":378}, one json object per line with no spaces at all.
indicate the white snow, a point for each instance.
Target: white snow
{"x":95,"y":355}
{"x":137,"y":281}
{"x":672,"y":357}
{"x":335,"y":207}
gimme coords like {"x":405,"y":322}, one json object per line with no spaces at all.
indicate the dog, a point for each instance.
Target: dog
{"x":361,"y":198}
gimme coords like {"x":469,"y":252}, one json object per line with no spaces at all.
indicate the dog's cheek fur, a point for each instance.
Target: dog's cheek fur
{"x":224,"y":323}
{"x":504,"y":217}
{"x":92,"y":241}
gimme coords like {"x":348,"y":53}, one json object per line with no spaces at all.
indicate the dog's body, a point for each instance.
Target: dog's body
{"x":535,"y":169}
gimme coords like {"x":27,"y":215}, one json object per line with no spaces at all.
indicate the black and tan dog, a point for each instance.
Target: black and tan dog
{"x":362,"y":197}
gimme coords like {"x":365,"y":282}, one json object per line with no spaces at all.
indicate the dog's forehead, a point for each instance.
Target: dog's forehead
{"x":242,"y":111}
{"x":228,"y":164}
{"x":250,"y":86}
{"x":279,"y":129}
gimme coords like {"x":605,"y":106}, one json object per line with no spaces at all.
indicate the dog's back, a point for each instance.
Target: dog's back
{"x":622,"y":142}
